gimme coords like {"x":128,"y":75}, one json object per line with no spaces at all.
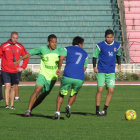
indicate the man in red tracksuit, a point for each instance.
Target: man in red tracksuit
{"x":10,"y":52}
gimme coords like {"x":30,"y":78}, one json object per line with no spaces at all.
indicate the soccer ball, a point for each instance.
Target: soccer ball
{"x":130,"y":115}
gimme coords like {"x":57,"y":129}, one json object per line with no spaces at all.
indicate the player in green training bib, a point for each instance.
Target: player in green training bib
{"x":47,"y":76}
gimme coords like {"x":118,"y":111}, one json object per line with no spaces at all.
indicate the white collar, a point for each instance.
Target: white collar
{"x":109,"y":44}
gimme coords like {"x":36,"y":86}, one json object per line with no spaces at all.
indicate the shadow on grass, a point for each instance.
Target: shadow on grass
{"x":2,"y":106}
{"x":82,"y":113}
{"x":37,"y":115}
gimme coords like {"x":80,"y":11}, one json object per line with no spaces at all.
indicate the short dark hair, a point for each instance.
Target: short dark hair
{"x":77,"y":40}
{"x":14,"y":33}
{"x":109,"y":31}
{"x":51,"y":36}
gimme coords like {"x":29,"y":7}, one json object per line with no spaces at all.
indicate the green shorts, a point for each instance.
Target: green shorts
{"x":66,"y":83}
{"x":108,"y":79}
{"x":46,"y":85}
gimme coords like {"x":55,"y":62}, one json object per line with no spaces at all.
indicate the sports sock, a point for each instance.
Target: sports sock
{"x":68,"y":106}
{"x":97,"y":108}
{"x":105,"y":108}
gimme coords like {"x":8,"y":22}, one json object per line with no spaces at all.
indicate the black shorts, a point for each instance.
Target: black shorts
{"x":12,"y":78}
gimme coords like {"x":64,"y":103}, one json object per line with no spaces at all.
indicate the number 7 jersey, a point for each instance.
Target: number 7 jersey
{"x":76,"y":60}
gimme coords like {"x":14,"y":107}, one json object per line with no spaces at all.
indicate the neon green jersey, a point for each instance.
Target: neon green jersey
{"x":49,"y":60}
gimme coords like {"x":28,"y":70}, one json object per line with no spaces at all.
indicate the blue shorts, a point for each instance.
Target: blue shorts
{"x":12,"y":78}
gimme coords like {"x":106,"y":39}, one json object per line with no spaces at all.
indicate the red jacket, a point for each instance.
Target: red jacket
{"x":8,"y":51}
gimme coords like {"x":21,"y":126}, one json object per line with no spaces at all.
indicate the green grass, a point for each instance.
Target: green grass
{"x":83,"y":124}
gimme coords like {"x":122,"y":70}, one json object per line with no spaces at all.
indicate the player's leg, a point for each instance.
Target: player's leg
{"x":39,"y":100}
{"x":44,"y":92}
{"x":33,"y":98}
{"x":17,"y":89}
{"x":12,"y":96}
{"x":7,"y":82}
{"x":100,"y":85}
{"x":17,"y":93}
{"x":14,"y":81}
{"x":65,"y":84}
{"x":40,"y":83}
{"x":72,"y":99}
{"x":59,"y":102}
{"x":99,"y":95}
{"x":76,"y":85}
{"x":110,"y":83}
{"x":60,"y":98}
{"x":1,"y":95}
{"x":109,"y":95}
{"x":7,"y":94}
{"x":70,"y":103}
{"x":43,"y":88}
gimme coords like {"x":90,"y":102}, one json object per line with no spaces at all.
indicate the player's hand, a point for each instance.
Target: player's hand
{"x":95,"y":70}
{"x":58,"y":72}
{"x":20,"y":69}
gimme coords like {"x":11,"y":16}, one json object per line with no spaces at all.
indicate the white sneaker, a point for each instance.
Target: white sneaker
{"x":7,"y":106}
{"x":12,"y":107}
{"x":57,"y":115}
{"x":17,"y":99}
{"x":104,"y":113}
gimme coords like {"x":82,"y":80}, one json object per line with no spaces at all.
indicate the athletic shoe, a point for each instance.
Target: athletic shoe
{"x":104,"y":113}
{"x":12,"y":107}
{"x":2,"y":100}
{"x":68,"y":113}
{"x":57,"y":116}
{"x":28,"y":113}
{"x":7,"y":106}
{"x":17,"y":99}
{"x":99,"y":114}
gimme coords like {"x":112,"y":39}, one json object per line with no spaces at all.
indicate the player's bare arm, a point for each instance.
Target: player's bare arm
{"x":22,"y":58}
{"x":95,"y":70}
{"x":61,"y":59}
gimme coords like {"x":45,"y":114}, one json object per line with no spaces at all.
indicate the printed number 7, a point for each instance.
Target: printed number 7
{"x":79,"y":58}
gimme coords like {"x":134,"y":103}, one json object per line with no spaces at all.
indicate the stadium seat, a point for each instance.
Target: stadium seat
{"x":37,"y":19}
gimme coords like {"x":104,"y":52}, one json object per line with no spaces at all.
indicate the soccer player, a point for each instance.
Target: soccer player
{"x":47,"y":76}
{"x":11,"y":51}
{"x":76,"y":63}
{"x":107,"y":52}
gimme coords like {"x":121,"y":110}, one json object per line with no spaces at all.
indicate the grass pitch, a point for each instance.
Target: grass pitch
{"x":82,"y":125}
